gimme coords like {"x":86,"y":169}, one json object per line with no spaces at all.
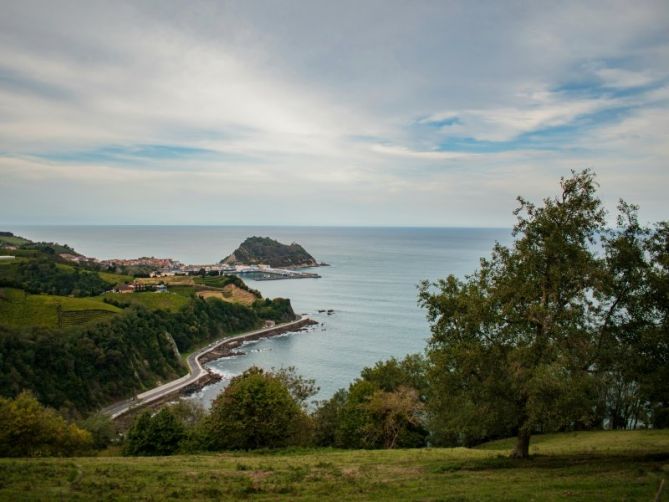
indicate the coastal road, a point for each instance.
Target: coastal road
{"x":195,"y":371}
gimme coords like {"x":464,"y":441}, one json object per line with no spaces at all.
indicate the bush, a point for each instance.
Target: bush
{"x":256,"y":411}
{"x":28,"y":429}
{"x":157,"y":435}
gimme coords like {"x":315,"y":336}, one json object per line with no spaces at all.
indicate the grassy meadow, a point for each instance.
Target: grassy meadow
{"x":579,"y":466}
{"x":170,"y":302}
{"x":20,"y":309}
{"x":13,"y":240}
{"x":115,"y":278}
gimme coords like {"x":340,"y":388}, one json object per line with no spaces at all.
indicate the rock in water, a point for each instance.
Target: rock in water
{"x":266,"y":251}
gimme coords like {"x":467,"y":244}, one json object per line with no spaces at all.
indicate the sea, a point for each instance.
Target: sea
{"x":365,"y":303}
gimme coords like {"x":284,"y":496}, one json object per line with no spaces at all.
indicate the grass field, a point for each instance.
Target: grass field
{"x":216,"y":281}
{"x":170,"y":302}
{"x":230,"y":293}
{"x":568,"y":469}
{"x":18,"y":309}
{"x":13,"y":240}
{"x":186,"y":291}
{"x":115,"y":278}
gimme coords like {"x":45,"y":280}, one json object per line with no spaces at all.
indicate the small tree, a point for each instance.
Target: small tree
{"x":101,"y":428}
{"x":393,"y":414}
{"x":381,"y":409}
{"x":256,"y":411}
{"x":157,"y":435}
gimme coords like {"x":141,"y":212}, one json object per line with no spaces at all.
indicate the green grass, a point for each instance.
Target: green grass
{"x":321,"y":474}
{"x":171,"y":302}
{"x":18,"y":309}
{"x":185,"y":291}
{"x":217,"y":281}
{"x":590,"y":442}
{"x":115,"y":278}
{"x":14,"y":240}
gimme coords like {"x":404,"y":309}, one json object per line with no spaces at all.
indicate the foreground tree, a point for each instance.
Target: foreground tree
{"x":256,"y":410}
{"x":527,"y":342}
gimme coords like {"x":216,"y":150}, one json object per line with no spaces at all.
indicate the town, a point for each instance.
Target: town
{"x":168,"y":267}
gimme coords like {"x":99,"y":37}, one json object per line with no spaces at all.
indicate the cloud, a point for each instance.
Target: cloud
{"x":339,"y":111}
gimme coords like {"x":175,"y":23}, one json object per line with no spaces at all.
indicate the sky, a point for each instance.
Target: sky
{"x":394,"y":113}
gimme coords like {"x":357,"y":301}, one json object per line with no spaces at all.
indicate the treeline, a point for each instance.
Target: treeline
{"x":258,"y":409}
{"x":43,"y":275}
{"x":384,"y":408}
{"x":79,"y":369}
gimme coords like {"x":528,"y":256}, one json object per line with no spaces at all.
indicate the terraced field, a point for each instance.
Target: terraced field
{"x":171,"y":302}
{"x":115,"y":278}
{"x":76,"y":317}
{"x":20,"y":309}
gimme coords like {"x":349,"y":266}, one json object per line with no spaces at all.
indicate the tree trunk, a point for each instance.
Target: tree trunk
{"x":522,"y":449}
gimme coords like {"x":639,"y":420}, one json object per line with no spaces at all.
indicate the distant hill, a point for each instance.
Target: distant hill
{"x":263,"y":250}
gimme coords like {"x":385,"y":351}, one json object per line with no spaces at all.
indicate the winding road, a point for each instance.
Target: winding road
{"x":195,"y":371}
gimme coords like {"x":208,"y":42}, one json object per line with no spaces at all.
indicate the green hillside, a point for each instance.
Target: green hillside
{"x":21,"y":309}
{"x":170,"y":302}
{"x":567,"y":471}
{"x":7,"y":238}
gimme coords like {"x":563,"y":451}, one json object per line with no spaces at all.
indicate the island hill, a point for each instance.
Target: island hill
{"x":266,"y":251}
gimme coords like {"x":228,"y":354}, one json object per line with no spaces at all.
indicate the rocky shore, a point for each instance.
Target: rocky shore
{"x":227,"y":349}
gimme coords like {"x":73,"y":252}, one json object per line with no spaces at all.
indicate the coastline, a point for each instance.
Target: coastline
{"x":198,"y":376}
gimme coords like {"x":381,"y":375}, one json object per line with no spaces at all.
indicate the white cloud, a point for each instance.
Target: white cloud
{"x":312,"y":105}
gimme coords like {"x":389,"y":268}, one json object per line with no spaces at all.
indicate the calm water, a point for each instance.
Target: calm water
{"x":371,"y":286}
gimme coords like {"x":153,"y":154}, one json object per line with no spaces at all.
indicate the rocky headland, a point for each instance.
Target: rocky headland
{"x":266,"y":251}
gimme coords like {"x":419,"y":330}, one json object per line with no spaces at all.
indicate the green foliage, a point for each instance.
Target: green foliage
{"x":48,"y":248}
{"x":27,"y":429}
{"x":327,"y":419}
{"x":203,"y":320}
{"x":19,"y":309}
{"x":529,"y":342}
{"x":45,"y":276}
{"x":263,"y":250}
{"x":276,"y":309}
{"x":391,"y":374}
{"x":9,"y":239}
{"x":382,"y":409}
{"x":638,"y":353}
{"x":220,"y":281}
{"x":170,"y":302}
{"x":256,"y":411}
{"x":160,"y":434}
{"x":101,"y":428}
{"x":300,"y":388}
{"x":81,"y":368}
{"x":113,"y":278}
